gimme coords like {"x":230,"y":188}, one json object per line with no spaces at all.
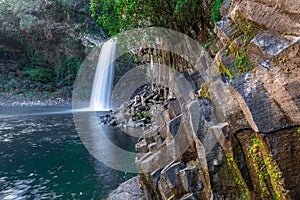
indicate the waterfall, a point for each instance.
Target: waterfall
{"x":104,"y":76}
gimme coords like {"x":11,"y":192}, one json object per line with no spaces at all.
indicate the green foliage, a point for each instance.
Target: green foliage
{"x":120,"y":15}
{"x":215,"y":11}
{"x":237,"y":176}
{"x":39,"y":74}
{"x":21,"y":96}
{"x":241,"y":65}
{"x":298,"y":130}
{"x":144,"y":114}
{"x":66,"y":71}
{"x":148,"y":114}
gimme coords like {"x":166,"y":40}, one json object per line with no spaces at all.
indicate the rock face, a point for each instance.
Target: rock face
{"x":283,"y":17}
{"x":243,"y":142}
{"x":42,"y":44}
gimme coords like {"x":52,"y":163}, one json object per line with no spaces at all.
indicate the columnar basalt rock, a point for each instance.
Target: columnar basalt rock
{"x":244,"y":140}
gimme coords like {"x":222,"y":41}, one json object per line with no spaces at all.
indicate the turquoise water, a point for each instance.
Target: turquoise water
{"x":42,"y":157}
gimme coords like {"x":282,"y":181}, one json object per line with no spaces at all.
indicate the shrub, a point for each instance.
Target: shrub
{"x":215,"y":11}
{"x":39,"y":74}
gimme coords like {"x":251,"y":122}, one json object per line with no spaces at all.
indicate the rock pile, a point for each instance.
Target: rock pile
{"x":140,"y":104}
{"x":138,"y":110}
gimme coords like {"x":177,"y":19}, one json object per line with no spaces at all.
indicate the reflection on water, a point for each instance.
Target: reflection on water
{"x":42,"y":157}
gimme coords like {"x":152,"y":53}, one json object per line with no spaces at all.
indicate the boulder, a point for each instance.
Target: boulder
{"x":129,"y":190}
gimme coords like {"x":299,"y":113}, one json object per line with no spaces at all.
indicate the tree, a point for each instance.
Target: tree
{"x":187,"y":16}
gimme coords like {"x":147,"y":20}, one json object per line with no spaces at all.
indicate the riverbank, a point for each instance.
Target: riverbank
{"x":37,"y":99}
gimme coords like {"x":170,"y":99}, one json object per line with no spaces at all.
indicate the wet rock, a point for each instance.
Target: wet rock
{"x":164,"y":132}
{"x":113,"y":122}
{"x":130,"y":190}
{"x":155,"y":177}
{"x":166,"y":116}
{"x":181,"y":88}
{"x":270,"y":42}
{"x":197,"y":79}
{"x":205,"y":109}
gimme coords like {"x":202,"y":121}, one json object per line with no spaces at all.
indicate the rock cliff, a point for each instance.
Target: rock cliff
{"x":42,"y":44}
{"x":243,"y":142}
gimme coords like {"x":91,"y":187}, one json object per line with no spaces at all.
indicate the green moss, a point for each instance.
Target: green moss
{"x":237,"y":176}
{"x":171,"y":197}
{"x":228,"y":73}
{"x":245,"y":195}
{"x":241,"y":65}
{"x":248,"y":27}
{"x":204,"y":91}
{"x":258,"y":164}
{"x":298,"y":130}
{"x":266,"y":168}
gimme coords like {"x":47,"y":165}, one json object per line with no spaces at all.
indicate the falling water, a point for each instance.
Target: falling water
{"x":103,"y":80}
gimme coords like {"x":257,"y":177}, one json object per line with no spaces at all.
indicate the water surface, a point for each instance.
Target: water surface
{"x":42,"y":157}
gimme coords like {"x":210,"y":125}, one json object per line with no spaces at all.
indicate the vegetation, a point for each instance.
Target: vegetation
{"x":215,"y":11}
{"x":47,"y":68}
{"x":237,"y":176}
{"x":267,"y":170}
{"x":41,"y":57}
{"x":180,"y":15}
{"x":241,"y":65}
{"x":204,"y":91}
{"x":39,"y":74}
